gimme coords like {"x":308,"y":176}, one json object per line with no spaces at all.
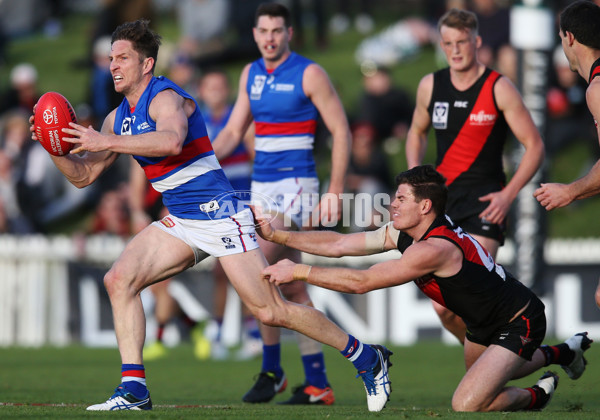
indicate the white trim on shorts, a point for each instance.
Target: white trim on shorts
{"x":232,"y":235}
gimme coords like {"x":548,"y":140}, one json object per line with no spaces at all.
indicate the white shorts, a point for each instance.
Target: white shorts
{"x":294,"y":198}
{"x":218,"y":238}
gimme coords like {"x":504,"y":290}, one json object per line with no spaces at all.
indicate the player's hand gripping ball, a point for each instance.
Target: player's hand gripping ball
{"x":52,"y":114}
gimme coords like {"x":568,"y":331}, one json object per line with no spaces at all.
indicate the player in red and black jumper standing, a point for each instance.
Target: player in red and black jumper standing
{"x":471,"y":109}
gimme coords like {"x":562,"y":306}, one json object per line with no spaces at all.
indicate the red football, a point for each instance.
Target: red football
{"x":53,"y":113}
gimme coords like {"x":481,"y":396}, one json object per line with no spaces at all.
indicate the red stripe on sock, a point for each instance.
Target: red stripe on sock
{"x":533,"y":398}
{"x":135,"y":373}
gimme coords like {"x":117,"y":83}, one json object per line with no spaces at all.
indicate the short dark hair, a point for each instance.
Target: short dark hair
{"x":273,"y":10}
{"x":145,"y":41}
{"x":426,"y":183}
{"x":582,"y":19}
{"x":459,"y":19}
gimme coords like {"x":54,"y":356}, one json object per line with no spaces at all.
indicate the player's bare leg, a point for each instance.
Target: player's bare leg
{"x":483,"y":388}
{"x":266,"y":304}
{"x":151,"y":256}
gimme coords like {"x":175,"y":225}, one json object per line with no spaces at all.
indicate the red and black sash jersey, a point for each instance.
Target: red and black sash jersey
{"x":470,"y":130}
{"x":482,"y":293}
{"x":595,"y":70}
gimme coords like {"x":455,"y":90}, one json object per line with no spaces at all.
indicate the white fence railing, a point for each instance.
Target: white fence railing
{"x":43,"y":300}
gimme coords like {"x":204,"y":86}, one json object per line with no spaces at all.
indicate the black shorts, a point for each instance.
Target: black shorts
{"x":464,"y":207}
{"x":522,"y":336}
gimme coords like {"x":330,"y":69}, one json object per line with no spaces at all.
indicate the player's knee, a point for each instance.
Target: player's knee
{"x":117,"y":283}
{"x":274,"y":316}
{"x":462,"y":405}
{"x":463,"y":401}
{"x":267,"y":316}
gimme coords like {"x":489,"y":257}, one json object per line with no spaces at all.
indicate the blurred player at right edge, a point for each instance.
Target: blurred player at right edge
{"x":580,"y":36}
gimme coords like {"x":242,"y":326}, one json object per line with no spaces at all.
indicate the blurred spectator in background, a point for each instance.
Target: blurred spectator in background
{"x":494,"y":28}
{"x":43,"y":196}
{"x":13,"y":136}
{"x":23,"y":92}
{"x":341,"y":19}
{"x":112,"y":213}
{"x":317,"y":13}
{"x":396,"y":43}
{"x":368,"y":173}
{"x":182,"y":70}
{"x":112,"y":14}
{"x":12,"y":219}
{"x":2,"y":45}
{"x":214,"y":94}
{"x":53,"y":25}
{"x":102,"y":95}
{"x":386,"y":106}
{"x":203,"y":24}
{"x":240,"y":45}
{"x":568,"y":115}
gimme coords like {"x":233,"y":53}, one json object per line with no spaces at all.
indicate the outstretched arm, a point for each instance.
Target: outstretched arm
{"x":329,"y":243}
{"x":438,"y":256}
{"x":553,"y":195}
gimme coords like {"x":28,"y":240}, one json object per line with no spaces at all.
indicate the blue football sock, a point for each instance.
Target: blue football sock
{"x":271,"y":361}
{"x":133,"y":378}
{"x":363,"y":357}
{"x":314,"y":370}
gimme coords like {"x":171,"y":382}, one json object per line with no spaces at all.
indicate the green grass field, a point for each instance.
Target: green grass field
{"x":58,"y":383}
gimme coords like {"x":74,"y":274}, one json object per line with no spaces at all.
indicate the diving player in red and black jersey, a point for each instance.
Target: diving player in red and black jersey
{"x":506,"y":321}
{"x":471,"y":109}
{"x":579,"y":29}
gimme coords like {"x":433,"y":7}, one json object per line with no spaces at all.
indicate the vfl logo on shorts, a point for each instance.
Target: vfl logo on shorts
{"x":168,"y":222}
{"x":210,"y":206}
{"x":228,"y":242}
{"x":439,"y":119}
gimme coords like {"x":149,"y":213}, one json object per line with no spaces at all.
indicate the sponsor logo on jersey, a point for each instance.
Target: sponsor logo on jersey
{"x":481,"y":118}
{"x":168,"y":222}
{"x":126,"y":126}
{"x":257,"y":86}
{"x":210,"y":206}
{"x":439,"y":119}
{"x":461,"y":104}
{"x":228,"y":242}
{"x":282,"y":87}
{"x":143,"y":126}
